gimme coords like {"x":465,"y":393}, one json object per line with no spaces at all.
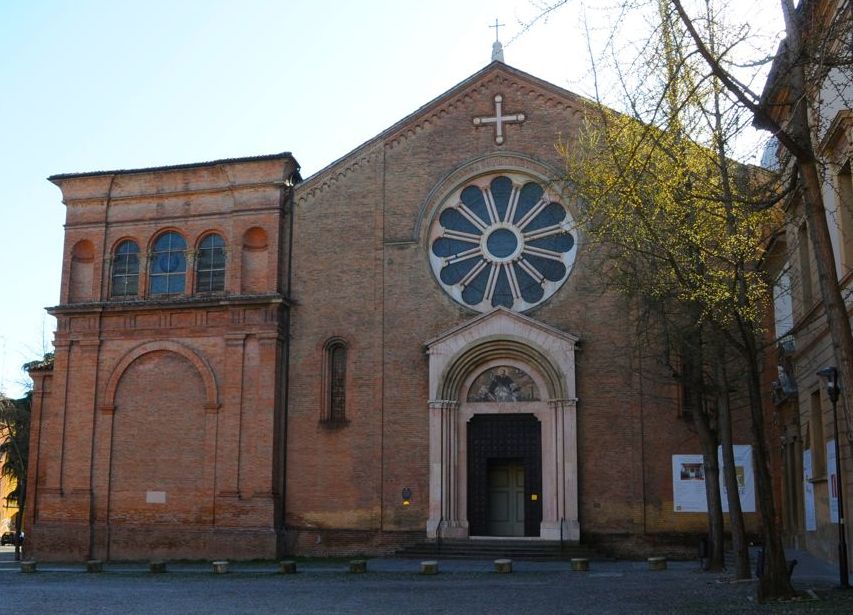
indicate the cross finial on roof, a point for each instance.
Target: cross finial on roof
{"x":497,"y":48}
{"x":497,"y":27}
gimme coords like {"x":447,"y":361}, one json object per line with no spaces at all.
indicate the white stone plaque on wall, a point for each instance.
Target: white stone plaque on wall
{"x":155,"y":497}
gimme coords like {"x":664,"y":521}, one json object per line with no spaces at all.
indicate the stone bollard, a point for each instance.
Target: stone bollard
{"x":503,"y":566}
{"x":358,"y":566}
{"x":28,"y":566}
{"x":156,"y":566}
{"x":657,"y":563}
{"x":287,"y":567}
{"x":580,"y":564}
{"x":220,"y":567}
{"x":429,"y":567}
{"x":94,"y":565}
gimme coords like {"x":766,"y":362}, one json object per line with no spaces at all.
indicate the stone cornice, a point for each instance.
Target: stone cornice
{"x":443,"y":404}
{"x":841,"y":127}
{"x":563,"y":404}
{"x":176,"y":167}
{"x":183,"y":302}
{"x":497,"y":312}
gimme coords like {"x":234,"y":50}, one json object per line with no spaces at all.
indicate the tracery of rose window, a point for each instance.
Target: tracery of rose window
{"x":502,"y":241}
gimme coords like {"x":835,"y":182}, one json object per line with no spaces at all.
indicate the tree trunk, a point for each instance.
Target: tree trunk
{"x":775,"y":583}
{"x":739,"y":544}
{"x":833,"y":304}
{"x":716,"y":527}
{"x":694,"y":377}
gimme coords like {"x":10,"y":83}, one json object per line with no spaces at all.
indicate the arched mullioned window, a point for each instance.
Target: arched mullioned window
{"x":210,"y":264}
{"x":125,"y":272}
{"x":167,"y":273}
{"x":335,"y":381}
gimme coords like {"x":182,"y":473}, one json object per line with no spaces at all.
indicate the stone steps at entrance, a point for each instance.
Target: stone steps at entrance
{"x":530,"y":550}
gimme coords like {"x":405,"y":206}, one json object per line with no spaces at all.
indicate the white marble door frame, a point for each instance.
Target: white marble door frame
{"x":456,"y":359}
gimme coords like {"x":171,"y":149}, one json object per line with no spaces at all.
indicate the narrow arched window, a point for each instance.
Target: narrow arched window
{"x":125,"y":273}
{"x":335,"y":382}
{"x":168,"y":265}
{"x":210,"y":265}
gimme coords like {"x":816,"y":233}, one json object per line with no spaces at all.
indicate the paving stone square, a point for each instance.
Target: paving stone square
{"x":396,"y":586}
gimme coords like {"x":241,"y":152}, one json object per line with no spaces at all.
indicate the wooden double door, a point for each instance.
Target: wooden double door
{"x":504,"y":475}
{"x":507,"y":498}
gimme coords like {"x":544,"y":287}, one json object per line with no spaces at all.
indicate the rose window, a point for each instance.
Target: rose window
{"x":502,"y":241}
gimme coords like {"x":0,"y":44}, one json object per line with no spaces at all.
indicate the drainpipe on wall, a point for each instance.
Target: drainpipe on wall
{"x":288,"y":204}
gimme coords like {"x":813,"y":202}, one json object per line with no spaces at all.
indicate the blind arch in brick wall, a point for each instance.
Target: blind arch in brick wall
{"x":204,"y":369}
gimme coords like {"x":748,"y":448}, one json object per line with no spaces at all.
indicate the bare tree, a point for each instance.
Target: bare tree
{"x":667,"y":189}
{"x":815,"y":48}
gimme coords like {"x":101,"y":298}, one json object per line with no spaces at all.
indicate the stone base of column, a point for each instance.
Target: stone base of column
{"x":567,"y":530}
{"x":453,"y":529}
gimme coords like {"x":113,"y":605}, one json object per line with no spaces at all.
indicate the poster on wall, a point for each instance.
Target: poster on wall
{"x":688,"y":481}
{"x":688,"y":484}
{"x":808,"y":491}
{"x":833,"y":481}
{"x":745,"y":477}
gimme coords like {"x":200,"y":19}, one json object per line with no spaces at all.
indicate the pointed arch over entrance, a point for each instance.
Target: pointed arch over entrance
{"x":497,"y":446}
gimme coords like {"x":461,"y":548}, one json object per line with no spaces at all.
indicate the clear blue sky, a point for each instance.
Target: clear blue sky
{"x":92,"y":85}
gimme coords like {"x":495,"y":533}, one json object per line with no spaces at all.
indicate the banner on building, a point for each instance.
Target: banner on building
{"x":808,"y":491}
{"x":688,"y":481}
{"x":745,"y":477}
{"x":833,"y":481}
{"x":688,"y":484}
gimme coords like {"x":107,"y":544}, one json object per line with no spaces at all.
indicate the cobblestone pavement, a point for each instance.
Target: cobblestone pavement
{"x":394,"y":586}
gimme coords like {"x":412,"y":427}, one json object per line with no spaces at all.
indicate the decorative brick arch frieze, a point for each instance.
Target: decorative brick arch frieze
{"x":204,"y":369}
{"x":328,"y":177}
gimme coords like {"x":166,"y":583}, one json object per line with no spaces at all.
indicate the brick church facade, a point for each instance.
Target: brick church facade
{"x":411,"y":344}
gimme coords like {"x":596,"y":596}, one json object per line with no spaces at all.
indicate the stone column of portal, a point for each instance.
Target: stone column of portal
{"x":444,"y":519}
{"x":565,"y":423}
{"x":435,"y":469}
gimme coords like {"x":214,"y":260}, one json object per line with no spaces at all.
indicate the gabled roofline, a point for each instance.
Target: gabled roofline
{"x":527,"y":320}
{"x":178,"y":167}
{"x":442,"y":98}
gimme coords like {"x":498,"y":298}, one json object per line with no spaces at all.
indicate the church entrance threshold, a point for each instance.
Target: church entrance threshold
{"x":504,"y":475}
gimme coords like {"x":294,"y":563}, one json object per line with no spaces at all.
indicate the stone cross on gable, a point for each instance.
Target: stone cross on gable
{"x":499,"y":119}
{"x":496,"y":26}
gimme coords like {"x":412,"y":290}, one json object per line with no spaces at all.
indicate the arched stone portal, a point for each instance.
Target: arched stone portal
{"x":471,"y":375}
